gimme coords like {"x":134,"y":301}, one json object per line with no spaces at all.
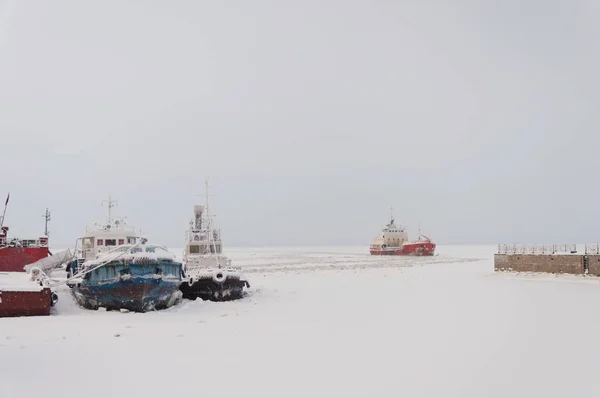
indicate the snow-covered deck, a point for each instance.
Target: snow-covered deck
{"x":18,"y":282}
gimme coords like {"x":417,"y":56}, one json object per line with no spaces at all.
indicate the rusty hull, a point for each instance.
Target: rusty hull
{"x":25,"y":303}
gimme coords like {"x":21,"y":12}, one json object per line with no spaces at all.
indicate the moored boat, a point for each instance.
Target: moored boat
{"x":209,"y":274}
{"x":393,"y":241}
{"x":24,"y":287}
{"x":16,"y":253}
{"x":140,"y":277}
{"x":116,"y":269}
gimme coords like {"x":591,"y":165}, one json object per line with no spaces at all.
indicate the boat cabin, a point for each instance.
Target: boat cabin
{"x":198,"y":243}
{"x":100,"y":243}
{"x":391,"y":236}
{"x":201,"y":237}
{"x":107,"y":237}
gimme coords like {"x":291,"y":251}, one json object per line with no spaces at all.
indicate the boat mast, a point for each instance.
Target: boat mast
{"x":46,"y":216}
{"x":111,"y":203}
{"x":206,"y":202}
{"x":211,"y":240}
{"x":4,"y":214}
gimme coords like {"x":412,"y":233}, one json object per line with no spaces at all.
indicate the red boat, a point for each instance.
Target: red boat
{"x":17,"y":253}
{"x":23,"y":293}
{"x":393,"y":241}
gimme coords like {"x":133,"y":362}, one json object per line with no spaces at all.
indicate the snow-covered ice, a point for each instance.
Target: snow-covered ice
{"x":326,"y":322}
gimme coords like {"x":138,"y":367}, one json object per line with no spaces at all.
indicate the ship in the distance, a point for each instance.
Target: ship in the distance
{"x":393,"y":241}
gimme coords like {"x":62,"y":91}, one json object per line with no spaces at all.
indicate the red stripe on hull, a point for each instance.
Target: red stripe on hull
{"x":13,"y":259}
{"x":408,"y":249}
{"x":15,"y":303}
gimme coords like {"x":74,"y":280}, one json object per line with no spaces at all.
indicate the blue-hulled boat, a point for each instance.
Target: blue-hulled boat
{"x":140,"y":277}
{"x":114,"y":269}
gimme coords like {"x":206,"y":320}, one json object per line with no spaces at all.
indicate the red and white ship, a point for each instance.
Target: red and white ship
{"x":393,"y":241}
{"x":24,"y":289}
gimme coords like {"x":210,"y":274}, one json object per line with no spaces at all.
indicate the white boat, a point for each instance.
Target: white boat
{"x":102,"y":238}
{"x":209,"y":273}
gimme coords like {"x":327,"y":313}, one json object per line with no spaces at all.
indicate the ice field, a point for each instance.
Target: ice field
{"x":325,"y":322}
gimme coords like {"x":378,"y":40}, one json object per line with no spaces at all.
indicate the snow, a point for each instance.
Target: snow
{"x":48,"y":264}
{"x":207,"y":260}
{"x":17,"y":282}
{"x":204,"y":273}
{"x":140,"y":253}
{"x":326,"y":322}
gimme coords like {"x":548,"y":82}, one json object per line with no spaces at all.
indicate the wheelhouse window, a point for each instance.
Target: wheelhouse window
{"x":111,"y":242}
{"x":121,"y":242}
{"x":100,"y":242}
{"x":131,"y":241}
{"x":194,"y":249}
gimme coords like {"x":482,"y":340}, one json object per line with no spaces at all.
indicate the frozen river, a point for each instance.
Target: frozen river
{"x":325,"y":321}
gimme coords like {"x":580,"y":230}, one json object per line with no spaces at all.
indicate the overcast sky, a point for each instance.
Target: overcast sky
{"x":478,"y":118}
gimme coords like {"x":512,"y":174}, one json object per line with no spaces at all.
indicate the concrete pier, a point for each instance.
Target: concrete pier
{"x":556,"y":259}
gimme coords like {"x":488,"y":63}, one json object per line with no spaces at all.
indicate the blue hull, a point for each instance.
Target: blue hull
{"x":134,"y":287}
{"x":139,"y":294}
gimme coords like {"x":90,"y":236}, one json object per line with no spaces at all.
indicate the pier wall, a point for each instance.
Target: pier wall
{"x":593,"y":264}
{"x":553,"y":263}
{"x":557,"y":259}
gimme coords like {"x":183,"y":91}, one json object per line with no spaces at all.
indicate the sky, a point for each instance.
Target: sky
{"x":477,"y":120}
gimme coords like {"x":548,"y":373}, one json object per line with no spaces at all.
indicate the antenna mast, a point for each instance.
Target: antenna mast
{"x":211,"y":240}
{"x":46,"y":218}
{"x":207,"y":211}
{"x":111,"y":204}
{"x":4,"y":214}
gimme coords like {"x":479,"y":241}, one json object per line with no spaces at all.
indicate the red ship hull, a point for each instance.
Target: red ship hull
{"x":22,"y":293}
{"x":25,"y":303}
{"x":407,"y":249}
{"x":28,"y":298}
{"x":13,"y":259}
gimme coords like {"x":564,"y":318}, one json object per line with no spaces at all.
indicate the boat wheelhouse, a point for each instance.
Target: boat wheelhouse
{"x":103,"y":238}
